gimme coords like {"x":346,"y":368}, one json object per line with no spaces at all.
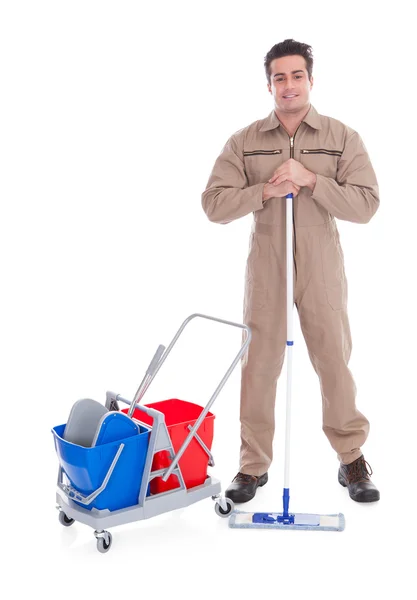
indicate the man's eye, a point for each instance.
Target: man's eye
{"x":282,"y":79}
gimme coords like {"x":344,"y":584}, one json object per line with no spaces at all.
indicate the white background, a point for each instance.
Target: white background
{"x":112,"y":114}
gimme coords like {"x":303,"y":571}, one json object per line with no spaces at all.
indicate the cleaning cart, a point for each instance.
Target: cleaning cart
{"x":119,"y":466}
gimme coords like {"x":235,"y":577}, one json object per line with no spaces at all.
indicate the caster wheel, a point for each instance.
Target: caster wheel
{"x":224,"y":513}
{"x":103,"y":546}
{"x":64,"y":520}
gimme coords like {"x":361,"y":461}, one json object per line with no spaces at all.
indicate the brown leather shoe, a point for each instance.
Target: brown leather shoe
{"x":355,"y":477}
{"x":243,"y":487}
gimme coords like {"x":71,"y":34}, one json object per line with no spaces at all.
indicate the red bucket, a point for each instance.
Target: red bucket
{"x":179,"y":414}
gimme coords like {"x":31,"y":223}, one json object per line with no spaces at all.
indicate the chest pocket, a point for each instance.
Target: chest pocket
{"x":260,"y":164}
{"x":322,"y":161}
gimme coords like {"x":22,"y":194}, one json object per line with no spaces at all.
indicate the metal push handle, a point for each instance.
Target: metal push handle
{"x":217,"y":390}
{"x":162,"y":353}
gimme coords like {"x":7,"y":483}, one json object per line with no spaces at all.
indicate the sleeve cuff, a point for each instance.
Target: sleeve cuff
{"x":258,"y":192}
{"x":319,"y":188}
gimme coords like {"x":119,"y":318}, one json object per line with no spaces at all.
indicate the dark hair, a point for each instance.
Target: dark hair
{"x":289,"y":48}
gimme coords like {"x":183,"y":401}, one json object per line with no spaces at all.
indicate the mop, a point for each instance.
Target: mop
{"x":285,"y":519}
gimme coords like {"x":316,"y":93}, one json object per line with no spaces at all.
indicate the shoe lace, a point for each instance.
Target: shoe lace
{"x":244,"y":478}
{"x":358,"y":471}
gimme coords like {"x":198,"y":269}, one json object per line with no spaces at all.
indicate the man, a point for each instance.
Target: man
{"x":325,"y":165}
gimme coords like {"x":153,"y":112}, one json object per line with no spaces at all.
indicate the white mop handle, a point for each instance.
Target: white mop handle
{"x":290,"y":341}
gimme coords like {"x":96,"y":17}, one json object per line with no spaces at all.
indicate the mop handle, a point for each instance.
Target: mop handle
{"x":290,"y":342}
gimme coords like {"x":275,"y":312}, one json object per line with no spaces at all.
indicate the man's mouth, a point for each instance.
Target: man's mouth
{"x":289,"y":96}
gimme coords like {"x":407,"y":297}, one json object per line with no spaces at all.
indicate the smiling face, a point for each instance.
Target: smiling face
{"x":289,"y":84}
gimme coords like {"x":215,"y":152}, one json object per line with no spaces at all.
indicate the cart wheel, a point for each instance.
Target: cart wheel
{"x":102,"y":545}
{"x":64,"y":520}
{"x":224,"y":513}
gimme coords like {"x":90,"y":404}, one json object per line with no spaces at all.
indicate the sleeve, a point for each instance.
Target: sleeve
{"x":227,"y":195}
{"x":354,"y":195}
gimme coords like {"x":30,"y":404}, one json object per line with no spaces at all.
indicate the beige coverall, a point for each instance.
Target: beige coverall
{"x":346,"y":189}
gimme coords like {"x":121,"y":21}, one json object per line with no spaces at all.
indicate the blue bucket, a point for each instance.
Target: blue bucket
{"x":86,"y":468}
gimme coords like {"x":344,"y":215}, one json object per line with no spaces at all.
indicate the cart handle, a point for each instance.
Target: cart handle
{"x":217,"y":390}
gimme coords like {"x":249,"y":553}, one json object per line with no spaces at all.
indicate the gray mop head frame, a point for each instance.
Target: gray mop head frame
{"x":302,"y":521}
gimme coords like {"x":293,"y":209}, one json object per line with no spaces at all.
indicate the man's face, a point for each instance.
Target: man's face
{"x":290,"y":85}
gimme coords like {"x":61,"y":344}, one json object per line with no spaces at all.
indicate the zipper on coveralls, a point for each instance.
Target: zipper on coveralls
{"x":293,"y":218}
{"x":261,"y":152}
{"x":322,"y":151}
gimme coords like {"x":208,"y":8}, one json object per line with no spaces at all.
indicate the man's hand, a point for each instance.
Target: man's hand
{"x":279,"y":191}
{"x":294,"y":171}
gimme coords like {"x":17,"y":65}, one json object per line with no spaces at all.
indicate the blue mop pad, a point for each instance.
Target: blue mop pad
{"x":250,"y":520}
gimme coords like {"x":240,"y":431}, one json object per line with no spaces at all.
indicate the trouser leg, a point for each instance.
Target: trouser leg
{"x":262,"y":364}
{"x":322,"y":309}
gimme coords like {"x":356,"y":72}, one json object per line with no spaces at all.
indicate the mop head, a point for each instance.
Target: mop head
{"x":248,"y":520}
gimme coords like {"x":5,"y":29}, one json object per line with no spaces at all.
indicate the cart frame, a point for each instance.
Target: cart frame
{"x":149,"y":506}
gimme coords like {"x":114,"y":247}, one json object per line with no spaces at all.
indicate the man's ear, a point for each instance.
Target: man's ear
{"x":269,"y":88}
{"x":311,"y":83}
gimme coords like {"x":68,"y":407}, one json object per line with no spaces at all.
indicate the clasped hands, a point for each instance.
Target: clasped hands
{"x":288,"y":179}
